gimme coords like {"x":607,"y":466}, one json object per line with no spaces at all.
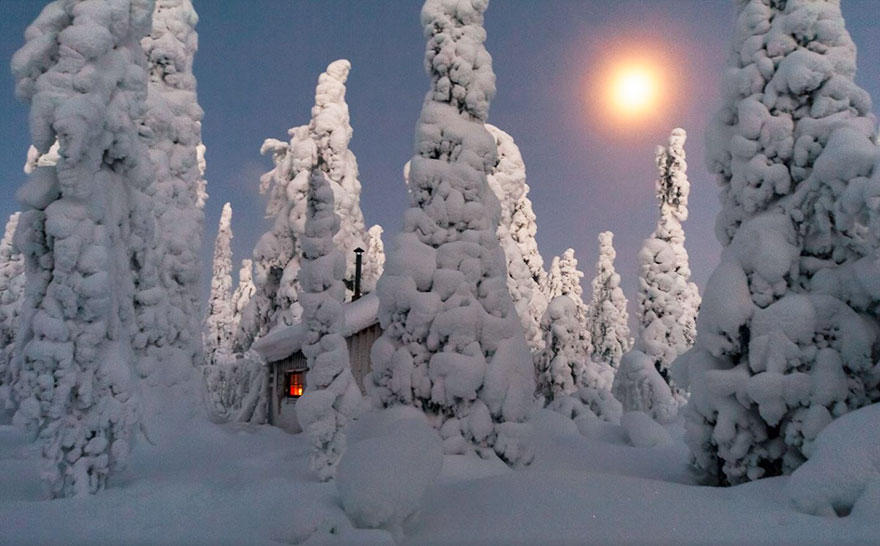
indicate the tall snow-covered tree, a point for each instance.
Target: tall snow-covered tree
{"x":374,"y":259}
{"x":243,"y":292}
{"x":452,"y":343}
{"x":278,"y":252}
{"x":83,"y":73}
{"x":516,"y":232}
{"x":219,"y":319}
{"x":787,"y":333}
{"x":668,"y":301}
{"x":172,"y":130}
{"x":12,"y":280}
{"x":332,"y":395}
{"x":608,"y":317}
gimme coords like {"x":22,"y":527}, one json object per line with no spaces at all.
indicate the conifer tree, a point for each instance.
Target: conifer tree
{"x":608,"y":317}
{"x":332,"y":395}
{"x":83,"y":73}
{"x":172,"y":130}
{"x":668,"y":301}
{"x":12,"y":281}
{"x":787,"y":333}
{"x":219,"y":318}
{"x":452,"y":343}
{"x":516,"y":232}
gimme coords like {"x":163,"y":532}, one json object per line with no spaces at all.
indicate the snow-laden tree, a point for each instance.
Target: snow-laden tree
{"x":219,"y":322}
{"x":516,"y":232}
{"x":172,"y":130}
{"x":608,"y":317}
{"x":562,"y":364}
{"x":219,"y":318}
{"x":668,"y":301}
{"x":12,"y":281}
{"x":374,"y":260}
{"x":83,"y":72}
{"x":278,"y":252}
{"x":787,"y":332}
{"x":564,"y":279}
{"x":452,"y":343}
{"x":243,"y":292}
{"x":332,"y":395}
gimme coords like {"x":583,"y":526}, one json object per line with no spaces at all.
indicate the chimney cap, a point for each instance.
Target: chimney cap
{"x":358,"y":250}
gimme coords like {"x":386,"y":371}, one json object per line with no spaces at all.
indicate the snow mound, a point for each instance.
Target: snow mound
{"x":644,"y":431}
{"x":843,"y":473}
{"x":392,"y":457}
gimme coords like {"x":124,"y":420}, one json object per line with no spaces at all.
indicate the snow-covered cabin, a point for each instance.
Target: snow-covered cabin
{"x":282,"y":350}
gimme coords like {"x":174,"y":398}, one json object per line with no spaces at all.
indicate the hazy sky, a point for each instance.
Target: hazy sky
{"x":259,"y":60}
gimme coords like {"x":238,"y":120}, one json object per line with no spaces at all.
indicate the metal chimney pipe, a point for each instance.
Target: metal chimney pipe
{"x":358,"y":260}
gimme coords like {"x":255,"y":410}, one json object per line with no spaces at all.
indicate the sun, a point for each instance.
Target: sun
{"x":633,"y":89}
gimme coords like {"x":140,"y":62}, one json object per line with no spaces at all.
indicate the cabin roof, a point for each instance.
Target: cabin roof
{"x":283,"y":341}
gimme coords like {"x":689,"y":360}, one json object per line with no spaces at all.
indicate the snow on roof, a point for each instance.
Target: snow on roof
{"x":283,"y":341}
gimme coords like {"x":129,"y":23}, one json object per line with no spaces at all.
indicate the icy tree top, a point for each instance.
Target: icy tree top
{"x":672,"y":184}
{"x":459,"y":65}
{"x":173,"y":44}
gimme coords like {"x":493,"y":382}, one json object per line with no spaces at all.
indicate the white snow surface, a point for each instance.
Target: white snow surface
{"x":230,"y":484}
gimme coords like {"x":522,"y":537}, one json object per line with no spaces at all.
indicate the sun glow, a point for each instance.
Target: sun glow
{"x":633,"y":90}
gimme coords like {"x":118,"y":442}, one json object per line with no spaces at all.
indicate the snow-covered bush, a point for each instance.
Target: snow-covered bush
{"x":516,"y":232}
{"x":561,"y":364}
{"x":277,"y":254}
{"x":844,"y":461}
{"x":393,"y":455}
{"x":453,"y":344}
{"x":172,"y":130}
{"x":608,"y":317}
{"x":332,"y":395}
{"x":12,"y":281}
{"x":84,"y":74}
{"x":668,"y":301}
{"x":787,"y":333}
{"x":640,"y":387}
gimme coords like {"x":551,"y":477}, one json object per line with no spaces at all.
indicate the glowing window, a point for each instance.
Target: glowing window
{"x":295,"y":384}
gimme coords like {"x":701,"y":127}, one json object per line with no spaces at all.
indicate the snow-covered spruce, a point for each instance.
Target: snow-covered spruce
{"x":668,"y":301}
{"x":83,"y":72}
{"x":452,"y":343}
{"x":12,"y":281}
{"x":608,"y":317}
{"x":516,"y":232}
{"x":219,"y":321}
{"x":332,"y":396}
{"x":787,"y":332}
{"x":564,"y":279}
{"x":172,"y":130}
{"x":374,"y":260}
{"x":243,"y":292}
{"x":562,"y":363}
{"x":277,"y":254}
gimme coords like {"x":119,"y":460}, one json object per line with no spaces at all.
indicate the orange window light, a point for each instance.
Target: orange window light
{"x":295,"y":384}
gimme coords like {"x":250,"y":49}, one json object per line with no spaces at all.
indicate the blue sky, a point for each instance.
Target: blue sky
{"x":259,"y":60}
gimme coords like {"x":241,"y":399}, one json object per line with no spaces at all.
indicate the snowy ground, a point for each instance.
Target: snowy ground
{"x":231,"y":484}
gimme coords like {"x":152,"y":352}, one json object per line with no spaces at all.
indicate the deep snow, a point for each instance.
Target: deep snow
{"x":243,"y":484}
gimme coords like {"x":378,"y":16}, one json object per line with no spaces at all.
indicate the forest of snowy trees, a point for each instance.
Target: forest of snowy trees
{"x":104,"y":335}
